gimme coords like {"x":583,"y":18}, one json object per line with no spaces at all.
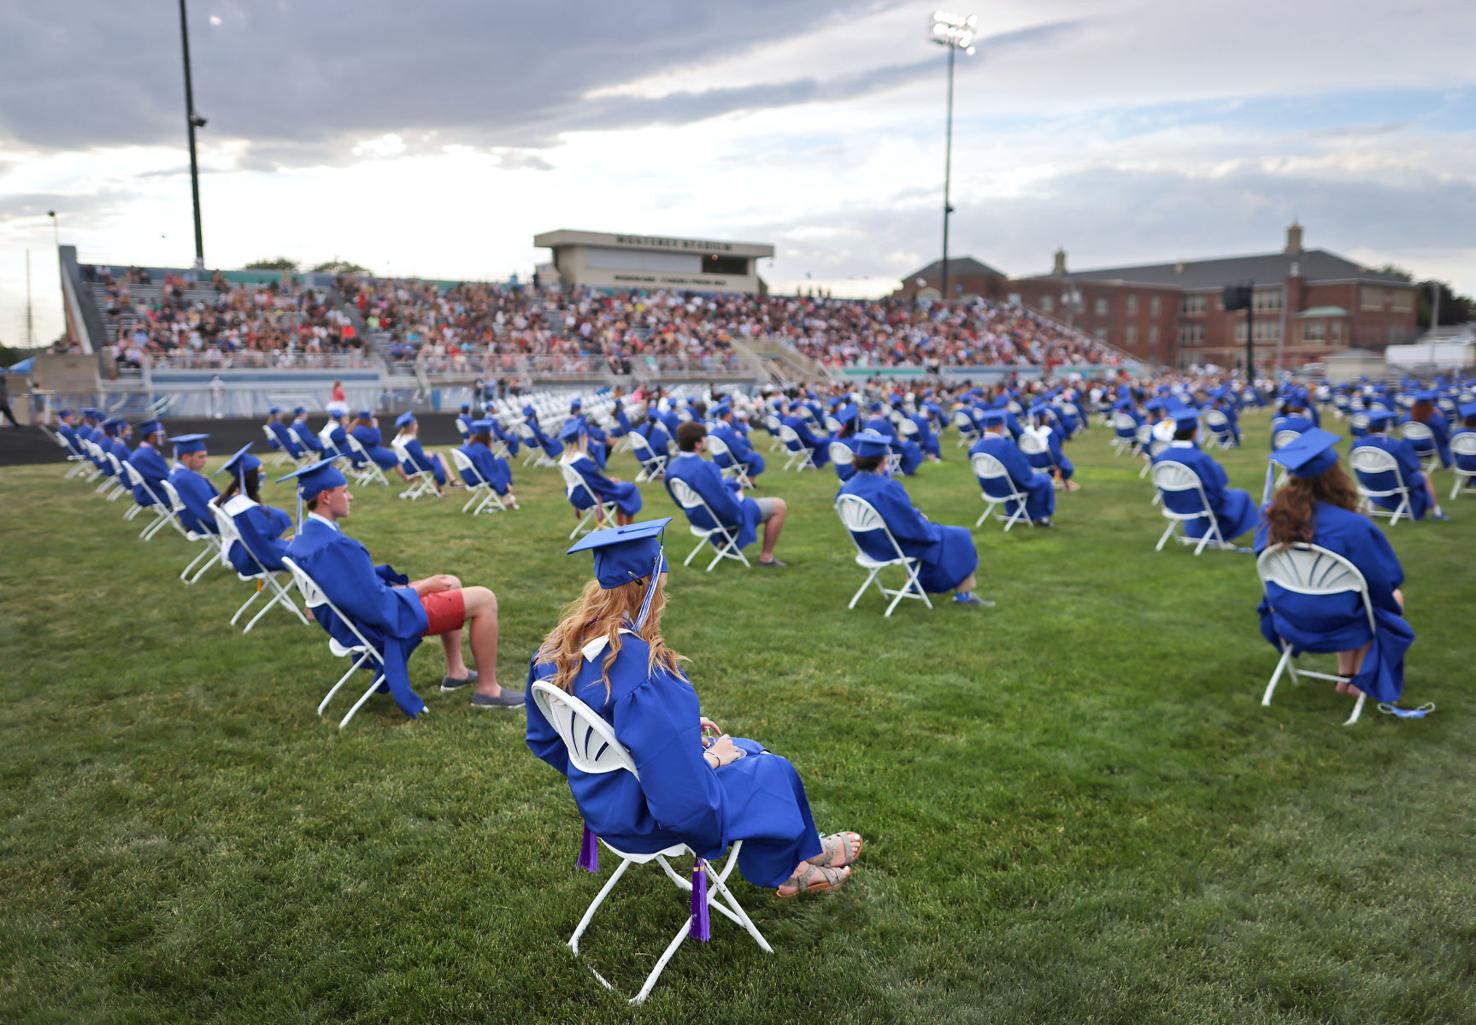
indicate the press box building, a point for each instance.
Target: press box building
{"x":603,"y":260}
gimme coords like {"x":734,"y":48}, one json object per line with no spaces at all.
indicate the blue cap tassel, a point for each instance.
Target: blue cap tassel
{"x":589,"y":851}
{"x":701,"y":922}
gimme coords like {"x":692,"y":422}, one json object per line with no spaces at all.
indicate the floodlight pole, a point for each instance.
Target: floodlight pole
{"x":947,"y":171}
{"x":190,"y":123}
{"x":1250,"y":330}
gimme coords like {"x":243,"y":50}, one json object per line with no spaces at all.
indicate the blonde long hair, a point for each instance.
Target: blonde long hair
{"x":601,"y":613}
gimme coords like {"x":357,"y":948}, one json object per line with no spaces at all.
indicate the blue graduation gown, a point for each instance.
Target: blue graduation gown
{"x":1441,"y":430}
{"x":1232,"y":418}
{"x":196,"y":493}
{"x":909,"y":451}
{"x":507,"y":437}
{"x":261,"y":528}
{"x":153,"y":469}
{"x":1232,"y":508}
{"x":494,"y":470}
{"x":738,"y":445}
{"x":551,"y":448}
{"x":1409,"y":469}
{"x":1053,"y":456}
{"x":947,"y":553}
{"x":286,"y":439}
{"x":339,"y":437}
{"x":390,"y":617}
{"x":926,"y":439}
{"x":373,"y":443}
{"x":418,"y":460}
{"x":1328,"y":623}
{"x":656,"y":436}
{"x":819,"y":447}
{"x":1039,"y":491}
{"x":720,"y":495}
{"x":119,"y":448}
{"x":70,"y":436}
{"x":678,"y":798}
{"x":307,"y":437}
{"x":625,"y":495}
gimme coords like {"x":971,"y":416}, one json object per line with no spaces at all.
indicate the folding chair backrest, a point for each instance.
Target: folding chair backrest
{"x":1171,"y":476}
{"x":987,"y":467}
{"x":464,"y":465}
{"x":789,"y":436}
{"x":773,"y":425}
{"x":175,"y":502}
{"x":1281,"y":439}
{"x":1419,"y":434}
{"x":1463,"y":444}
{"x":312,"y":594}
{"x":685,"y":497}
{"x":859,"y":516}
{"x":1369,"y":459}
{"x":963,"y":421}
{"x":641,"y":446}
{"x":1032,"y":444}
{"x":907,"y":426}
{"x":832,"y":425}
{"x":573,"y":481}
{"x":135,"y":479}
{"x":1359,"y":420}
{"x":841,"y":454}
{"x":591,"y":742}
{"x":1123,"y":422}
{"x":1312,"y":570}
{"x":226,"y":526}
{"x":717,"y":447}
{"x":1216,"y":419}
{"x":272,"y":440}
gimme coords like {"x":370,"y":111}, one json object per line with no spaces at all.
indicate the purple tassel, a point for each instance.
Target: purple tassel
{"x":701,"y":924}
{"x":589,"y":851}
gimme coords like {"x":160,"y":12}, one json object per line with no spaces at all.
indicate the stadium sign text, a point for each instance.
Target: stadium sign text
{"x":653,"y":242}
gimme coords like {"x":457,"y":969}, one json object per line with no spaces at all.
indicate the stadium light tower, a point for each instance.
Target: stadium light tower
{"x":192,"y":121}
{"x":956,"y":32}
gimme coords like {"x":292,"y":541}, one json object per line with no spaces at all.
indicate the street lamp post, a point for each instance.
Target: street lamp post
{"x":956,"y":32}
{"x":192,"y":121}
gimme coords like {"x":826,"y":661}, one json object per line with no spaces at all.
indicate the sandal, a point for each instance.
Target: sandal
{"x":835,"y":848}
{"x":814,"y":879}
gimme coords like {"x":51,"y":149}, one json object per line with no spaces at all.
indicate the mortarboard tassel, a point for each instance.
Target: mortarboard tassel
{"x":701,"y":922}
{"x":650,"y":593}
{"x":589,"y":851}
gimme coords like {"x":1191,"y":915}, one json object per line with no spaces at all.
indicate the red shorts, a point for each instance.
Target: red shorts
{"x":444,"y":611}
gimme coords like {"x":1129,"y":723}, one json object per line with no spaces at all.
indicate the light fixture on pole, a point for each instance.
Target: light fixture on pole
{"x":55,"y":231}
{"x":956,"y":32}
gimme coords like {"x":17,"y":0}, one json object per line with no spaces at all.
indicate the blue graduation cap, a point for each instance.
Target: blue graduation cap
{"x":624,"y":554}
{"x":993,"y":416}
{"x":365,"y":414}
{"x":273,"y":411}
{"x":576,"y":405}
{"x":572,"y":429}
{"x":480,"y":426}
{"x":299,"y":410}
{"x":466,"y":407}
{"x":314,"y":480}
{"x":405,"y":419}
{"x":1311,"y":454}
{"x":1467,"y":410}
{"x":876,"y":407}
{"x":846,"y":413}
{"x":149,"y":427}
{"x":871,"y":443}
{"x":184,"y":444}
{"x":1428,"y":395}
{"x":721,"y":410}
{"x":1184,"y":418}
{"x":1379,"y":417}
{"x":239,"y":465}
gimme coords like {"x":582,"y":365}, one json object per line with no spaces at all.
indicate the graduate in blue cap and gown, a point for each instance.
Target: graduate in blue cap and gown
{"x":195,"y":490}
{"x":1319,"y":505}
{"x":1424,"y":411}
{"x":1038,"y":488}
{"x":724,"y":496}
{"x":118,"y":445}
{"x":66,"y":426}
{"x":594,"y":437}
{"x":1421,"y":489}
{"x":464,"y":420}
{"x":147,"y":461}
{"x":337,"y":440}
{"x":608,"y":651}
{"x":737,"y":442}
{"x":1054,"y":458}
{"x":551,"y":447}
{"x":420,"y":460}
{"x":625,"y":495}
{"x":494,"y":470}
{"x":654,"y":431}
{"x":819,"y":445}
{"x":947,"y":554}
{"x":1465,"y":425}
{"x":307,"y":439}
{"x":392,"y":611}
{"x":1232,"y":508}
{"x":1293,"y":417}
{"x":282,"y":436}
{"x":366,"y":433}
{"x":910,"y":452}
{"x":260,"y":526}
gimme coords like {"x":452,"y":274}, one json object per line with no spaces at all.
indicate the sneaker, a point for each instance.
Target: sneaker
{"x":972,"y":599}
{"x":1439,"y":514}
{"x":449,"y":684}
{"x":506,"y":699}
{"x":771,"y":564}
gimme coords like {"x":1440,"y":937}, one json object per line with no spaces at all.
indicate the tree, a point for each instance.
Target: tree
{"x":1396,"y":271}
{"x":280,"y":263}
{"x":1454,"y":309}
{"x":341,"y":267}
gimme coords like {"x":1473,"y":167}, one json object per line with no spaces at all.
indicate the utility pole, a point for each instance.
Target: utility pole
{"x":956,"y":32}
{"x":30,"y":319}
{"x":192,"y":121}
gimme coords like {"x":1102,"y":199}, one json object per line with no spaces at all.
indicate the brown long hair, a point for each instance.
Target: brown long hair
{"x":1423,"y":411}
{"x":1293,"y":512}
{"x":601,"y":613}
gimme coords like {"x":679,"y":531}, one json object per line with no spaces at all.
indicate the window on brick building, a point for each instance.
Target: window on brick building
{"x":1047,"y":303}
{"x":1155,"y":306}
{"x":1403,"y":300}
{"x":1132,"y":305}
{"x":1153,"y":333}
{"x":1314,"y":331}
{"x":1267,"y":299}
{"x":1101,"y":307}
{"x":1101,"y":333}
{"x":1193,"y":304}
{"x":1370,"y":298}
{"x":1130,"y":336}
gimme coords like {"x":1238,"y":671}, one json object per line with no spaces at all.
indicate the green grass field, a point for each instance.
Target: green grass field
{"x":1075,"y":808}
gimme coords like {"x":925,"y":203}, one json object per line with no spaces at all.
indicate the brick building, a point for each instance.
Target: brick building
{"x":1308,"y":304}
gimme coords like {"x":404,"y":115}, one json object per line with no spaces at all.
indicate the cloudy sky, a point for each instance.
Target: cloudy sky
{"x":436,"y":139}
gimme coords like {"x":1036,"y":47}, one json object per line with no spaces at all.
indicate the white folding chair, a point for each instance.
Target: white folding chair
{"x":536,"y":456}
{"x":419,"y":483}
{"x":841,"y":454}
{"x":968,"y":431}
{"x":653,"y":464}
{"x":987,"y":467}
{"x":775,"y":427}
{"x":1281,"y":439}
{"x":1423,"y":439}
{"x":279,"y":453}
{"x":1035,"y":444}
{"x":481,"y":494}
{"x":1219,"y":427}
{"x":1359,"y":421}
{"x":798,"y":455}
{"x":1171,"y":476}
{"x":724,"y":539}
{"x":76,"y":459}
{"x":1463,"y":444}
{"x":263,"y":578}
{"x":368,"y":471}
{"x":120,"y":487}
{"x":736,"y":468}
{"x":597,"y":514}
{"x":209,"y":544}
{"x":1125,"y":433}
{"x":1311,"y":570}
{"x":1370,"y":460}
{"x":363,"y":653}
{"x":1145,"y":442}
{"x":593,"y":748}
{"x":859,"y":516}
{"x":162,"y":511}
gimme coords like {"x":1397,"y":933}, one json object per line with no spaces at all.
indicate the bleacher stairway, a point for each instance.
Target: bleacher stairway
{"x":781,"y":362}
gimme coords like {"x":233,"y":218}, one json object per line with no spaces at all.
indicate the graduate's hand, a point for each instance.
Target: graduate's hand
{"x":708,"y":726}
{"x":722,"y":752}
